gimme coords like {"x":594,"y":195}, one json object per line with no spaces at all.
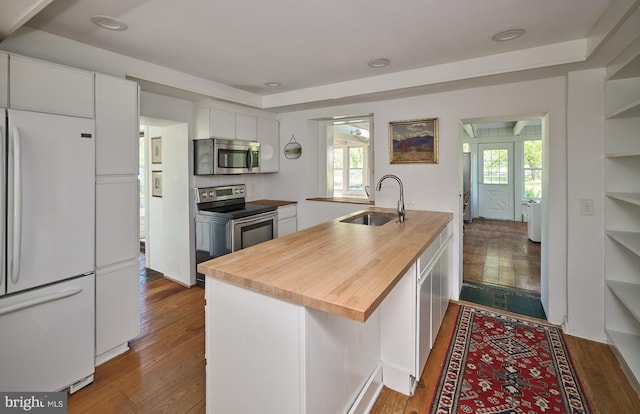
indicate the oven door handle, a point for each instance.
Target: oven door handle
{"x":258,"y":218}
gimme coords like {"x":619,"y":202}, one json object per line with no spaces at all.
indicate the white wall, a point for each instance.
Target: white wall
{"x":585,"y":181}
{"x":437,"y":187}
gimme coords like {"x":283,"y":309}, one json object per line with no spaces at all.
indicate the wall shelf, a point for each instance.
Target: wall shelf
{"x":628,"y":293}
{"x":630,"y":110}
{"x":633,"y":198}
{"x":628,"y":239}
{"x":622,"y":210}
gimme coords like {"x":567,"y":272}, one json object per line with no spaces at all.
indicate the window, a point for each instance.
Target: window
{"x":496,"y":166}
{"x":533,"y":169}
{"x":350,"y":145}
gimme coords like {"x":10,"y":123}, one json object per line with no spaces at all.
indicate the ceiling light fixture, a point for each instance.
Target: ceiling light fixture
{"x":508,"y":35}
{"x":379,"y":63}
{"x":110,"y":23}
{"x":272,"y":84}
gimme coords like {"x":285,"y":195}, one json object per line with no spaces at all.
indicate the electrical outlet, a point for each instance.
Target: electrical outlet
{"x":586,"y":207}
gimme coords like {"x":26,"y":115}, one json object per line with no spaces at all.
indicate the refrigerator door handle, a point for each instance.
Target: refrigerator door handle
{"x":38,"y":301}
{"x":17,"y":205}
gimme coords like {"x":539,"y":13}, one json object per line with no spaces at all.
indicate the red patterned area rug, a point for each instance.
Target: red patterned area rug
{"x":497,"y":363}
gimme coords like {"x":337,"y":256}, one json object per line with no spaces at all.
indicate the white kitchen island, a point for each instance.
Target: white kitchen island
{"x":319,"y":320}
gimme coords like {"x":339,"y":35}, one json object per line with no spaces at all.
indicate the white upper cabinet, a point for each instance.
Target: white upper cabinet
{"x":4,"y":80}
{"x":69,"y":90}
{"x":246,"y":127}
{"x":269,"y":139}
{"x":116,"y":126}
{"x":222,"y":124}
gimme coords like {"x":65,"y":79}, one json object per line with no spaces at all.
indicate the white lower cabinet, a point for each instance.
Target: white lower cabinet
{"x":287,"y":219}
{"x":288,"y":358}
{"x":412,"y":315}
{"x":117,"y":309}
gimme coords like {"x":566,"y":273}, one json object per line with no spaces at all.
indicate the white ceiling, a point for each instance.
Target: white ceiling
{"x":326,"y":43}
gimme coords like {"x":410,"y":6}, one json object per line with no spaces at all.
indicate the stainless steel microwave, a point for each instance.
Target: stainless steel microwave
{"x":225,"y":156}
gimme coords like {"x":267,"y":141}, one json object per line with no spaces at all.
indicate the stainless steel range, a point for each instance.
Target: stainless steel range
{"x":226,"y":223}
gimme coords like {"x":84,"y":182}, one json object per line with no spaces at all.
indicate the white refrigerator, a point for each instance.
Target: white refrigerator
{"x":47,"y":289}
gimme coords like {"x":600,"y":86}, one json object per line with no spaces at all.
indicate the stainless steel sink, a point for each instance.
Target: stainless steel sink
{"x":370,"y":219}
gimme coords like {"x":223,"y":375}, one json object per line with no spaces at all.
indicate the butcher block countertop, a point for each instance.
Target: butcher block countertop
{"x":275,"y":203}
{"x":342,"y":268}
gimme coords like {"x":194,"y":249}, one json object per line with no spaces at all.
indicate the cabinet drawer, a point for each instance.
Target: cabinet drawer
{"x":287,"y":211}
{"x":429,"y":254}
{"x":69,"y":91}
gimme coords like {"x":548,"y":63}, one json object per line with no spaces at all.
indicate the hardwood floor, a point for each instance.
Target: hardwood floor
{"x":500,"y":253}
{"x":164,"y":371}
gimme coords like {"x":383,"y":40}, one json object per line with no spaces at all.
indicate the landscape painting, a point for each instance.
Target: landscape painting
{"x":414,"y":142}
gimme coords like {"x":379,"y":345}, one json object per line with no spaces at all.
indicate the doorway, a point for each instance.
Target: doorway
{"x":501,"y":265}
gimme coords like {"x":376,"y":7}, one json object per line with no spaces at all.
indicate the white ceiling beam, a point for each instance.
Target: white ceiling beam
{"x":470,"y":130}
{"x":15,"y":13}
{"x":518,"y":127}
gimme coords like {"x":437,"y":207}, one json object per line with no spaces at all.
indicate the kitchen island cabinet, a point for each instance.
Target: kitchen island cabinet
{"x":297,"y":321}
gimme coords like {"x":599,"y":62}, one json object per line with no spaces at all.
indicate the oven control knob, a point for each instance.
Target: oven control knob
{"x":211,"y":194}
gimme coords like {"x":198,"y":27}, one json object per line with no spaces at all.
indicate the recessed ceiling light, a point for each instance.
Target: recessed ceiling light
{"x":508,"y":35}
{"x":110,"y":23}
{"x":273,"y":84}
{"x":379,"y":63}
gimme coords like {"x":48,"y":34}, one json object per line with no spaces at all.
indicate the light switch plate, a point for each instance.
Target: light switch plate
{"x":586,"y":207}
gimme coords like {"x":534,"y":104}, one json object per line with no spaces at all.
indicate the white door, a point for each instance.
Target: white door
{"x":495,"y":181}
{"x":50,"y":199}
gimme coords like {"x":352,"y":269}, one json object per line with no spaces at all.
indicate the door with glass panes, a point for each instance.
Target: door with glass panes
{"x":495,"y":181}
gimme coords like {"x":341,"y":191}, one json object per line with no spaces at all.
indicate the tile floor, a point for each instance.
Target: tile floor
{"x":499,"y":252}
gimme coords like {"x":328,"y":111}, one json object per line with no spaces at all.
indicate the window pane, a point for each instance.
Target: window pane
{"x":337,"y":180}
{"x":533,"y":154}
{"x":496,"y":166}
{"x":355,"y":179}
{"x":338,"y":155}
{"x":356,"y":157}
{"x":533,"y":169}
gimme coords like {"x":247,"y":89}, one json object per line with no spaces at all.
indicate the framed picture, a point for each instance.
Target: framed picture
{"x":414,"y":142}
{"x":156,"y":183}
{"x":156,"y":150}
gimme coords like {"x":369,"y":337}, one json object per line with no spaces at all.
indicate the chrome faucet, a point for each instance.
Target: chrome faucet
{"x":401,"y":201}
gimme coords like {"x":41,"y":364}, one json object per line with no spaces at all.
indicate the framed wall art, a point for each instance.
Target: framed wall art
{"x":414,"y":141}
{"x":156,"y":183}
{"x":156,"y":150}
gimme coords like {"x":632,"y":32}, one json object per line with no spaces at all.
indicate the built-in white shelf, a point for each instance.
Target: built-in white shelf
{"x":622,"y":154}
{"x":633,"y":198}
{"x":628,"y":111}
{"x":628,"y":294}
{"x":630,"y":240}
{"x":628,"y":345}
{"x":627,"y":64}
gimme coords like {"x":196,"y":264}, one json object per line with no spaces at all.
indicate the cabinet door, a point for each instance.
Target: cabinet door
{"x":246,"y":127}
{"x":269,"y":139}
{"x":116,"y":126}
{"x":287,"y":220}
{"x":4,"y":80}
{"x":203,"y":122}
{"x":223,"y":124}
{"x":40,"y":86}
{"x":117,"y":217}
{"x":117,"y":309}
